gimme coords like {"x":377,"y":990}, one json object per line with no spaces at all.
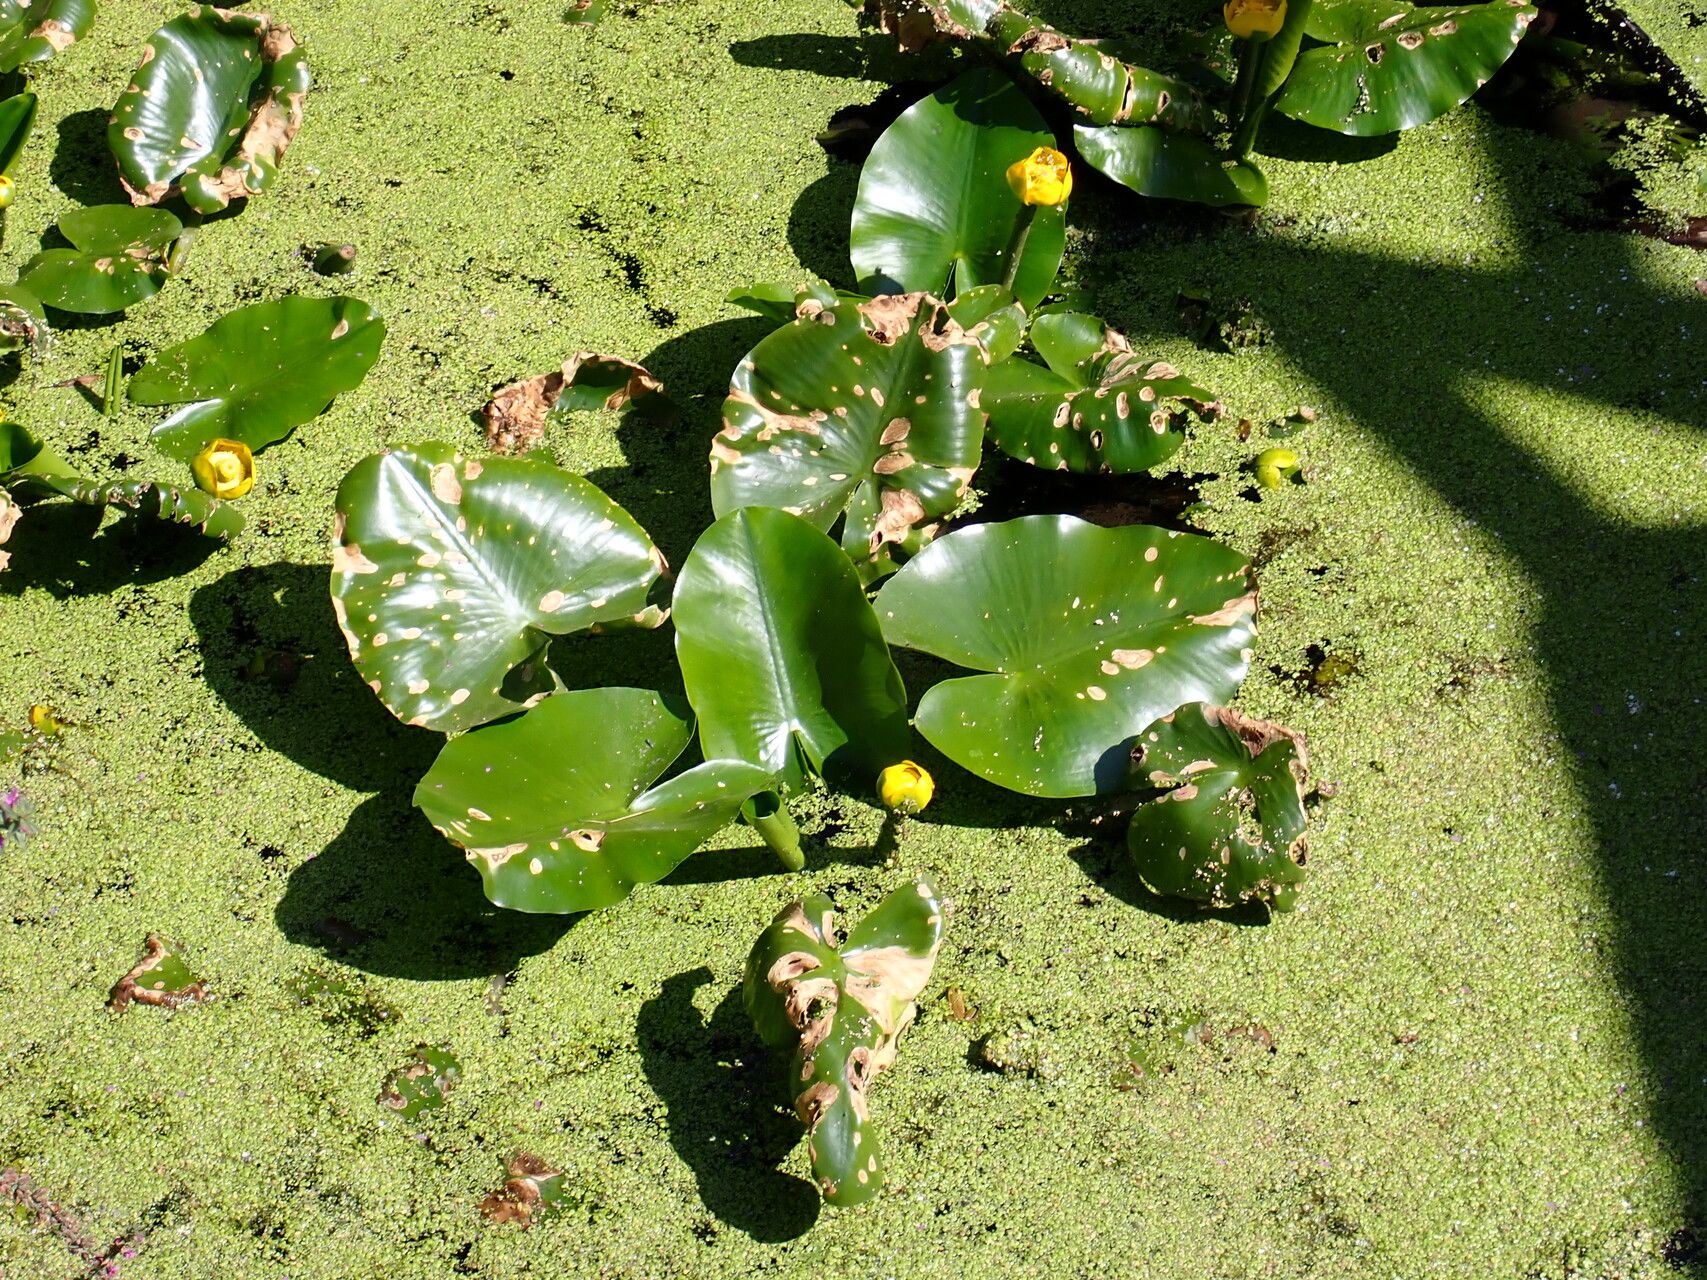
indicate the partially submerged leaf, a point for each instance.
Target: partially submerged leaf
{"x":1171,"y":166}
{"x":35,"y":32}
{"x":1386,"y":66}
{"x":23,"y":323}
{"x":517,"y":414}
{"x":585,"y":13}
{"x":553,"y":807}
{"x":781,"y":656}
{"x":1097,"y":407}
{"x":161,"y":978}
{"x":1086,"y":634}
{"x":450,"y":575}
{"x":119,"y":258}
{"x":421,"y":1084}
{"x":10,"y":513}
{"x":532,"y":1192}
{"x":210,"y":111}
{"x":1231,"y":826}
{"x":838,"y":1008}
{"x":935,"y":213}
{"x":17,"y":118}
{"x":260,"y":372}
{"x":868,"y":408}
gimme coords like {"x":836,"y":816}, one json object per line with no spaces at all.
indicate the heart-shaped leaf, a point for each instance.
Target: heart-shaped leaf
{"x":934,"y":196}
{"x":1097,"y":407}
{"x":260,"y":372}
{"x":17,"y":118}
{"x":863,"y":407}
{"x":210,"y":111}
{"x":781,"y":656}
{"x":1088,"y":635}
{"x":1386,"y":65}
{"x":837,"y":1009}
{"x":35,"y":32}
{"x":1171,"y":166}
{"x":1231,"y":829}
{"x":119,"y":259}
{"x":449,"y":574}
{"x":553,"y":806}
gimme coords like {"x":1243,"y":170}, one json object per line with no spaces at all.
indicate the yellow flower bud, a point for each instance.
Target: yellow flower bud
{"x":226,"y":469}
{"x":905,"y":787}
{"x":1255,"y":19}
{"x":1043,"y":177}
{"x":45,"y":722}
{"x":7,"y":189}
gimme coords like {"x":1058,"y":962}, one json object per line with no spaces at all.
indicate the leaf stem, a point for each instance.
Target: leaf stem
{"x":1016,"y":245}
{"x":1247,"y":111}
{"x":115,"y":378}
{"x":768,"y":815}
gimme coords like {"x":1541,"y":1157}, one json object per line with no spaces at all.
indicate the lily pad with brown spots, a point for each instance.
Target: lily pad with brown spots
{"x":1083,"y":636}
{"x":1385,"y":65}
{"x":1094,"y":405}
{"x":422,"y":1084}
{"x":868,"y":409}
{"x":837,"y":1008}
{"x":1230,"y":826}
{"x":118,"y":258}
{"x":35,"y":32}
{"x":162,"y":978}
{"x":557,"y":809}
{"x":450,"y":575}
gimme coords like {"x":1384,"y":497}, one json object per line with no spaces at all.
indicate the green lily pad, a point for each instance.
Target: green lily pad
{"x":211,"y":109}
{"x":1231,"y":827}
{"x":1097,"y":407}
{"x":35,"y":32}
{"x":421,"y":1085}
{"x":553,"y":807}
{"x":866,"y":408}
{"x":260,"y":372}
{"x":450,"y":576}
{"x":17,"y":118}
{"x":1170,"y":166}
{"x":1086,"y":634}
{"x":935,"y":213}
{"x":1385,"y":65}
{"x":781,"y":655}
{"x":837,"y":1009}
{"x":162,"y":978}
{"x":118,"y":260}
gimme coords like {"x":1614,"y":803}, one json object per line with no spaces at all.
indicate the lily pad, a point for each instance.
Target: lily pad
{"x":1171,"y":166}
{"x":532,"y":1192}
{"x":517,"y":415}
{"x":934,"y":212}
{"x":1086,"y":635}
{"x":867,"y":408}
{"x":553,"y":807}
{"x":35,"y":32}
{"x":1385,"y":65}
{"x":450,"y":576}
{"x":421,"y":1085}
{"x":260,"y":372}
{"x":17,"y":118}
{"x":1231,"y":827}
{"x":838,"y":1008}
{"x":119,"y":259}
{"x":211,"y":109}
{"x":161,"y":978}
{"x":1096,"y":407}
{"x":781,"y":655}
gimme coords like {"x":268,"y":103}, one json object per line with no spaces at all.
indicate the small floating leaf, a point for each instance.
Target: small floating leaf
{"x":260,"y":372}
{"x":838,"y":1008}
{"x":449,"y":574}
{"x":422,"y":1084}
{"x":532,"y":1192}
{"x":553,"y":808}
{"x":1231,"y":828}
{"x":119,"y":259}
{"x":517,"y":414}
{"x":1084,"y":632}
{"x":161,"y":978}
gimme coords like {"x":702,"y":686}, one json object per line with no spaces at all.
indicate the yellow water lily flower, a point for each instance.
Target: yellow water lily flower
{"x":905,"y":787}
{"x":1044,"y":177}
{"x":7,"y":189}
{"x":226,"y":469}
{"x":1255,"y":19}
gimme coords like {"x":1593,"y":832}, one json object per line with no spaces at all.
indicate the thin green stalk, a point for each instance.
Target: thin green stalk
{"x":115,"y":379}
{"x":1247,"y":110}
{"x":1016,"y":245}
{"x":768,"y":815}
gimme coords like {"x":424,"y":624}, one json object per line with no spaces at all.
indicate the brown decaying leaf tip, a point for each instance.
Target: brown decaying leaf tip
{"x":134,"y":987}
{"x":515,"y":416}
{"x":519,"y":1198}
